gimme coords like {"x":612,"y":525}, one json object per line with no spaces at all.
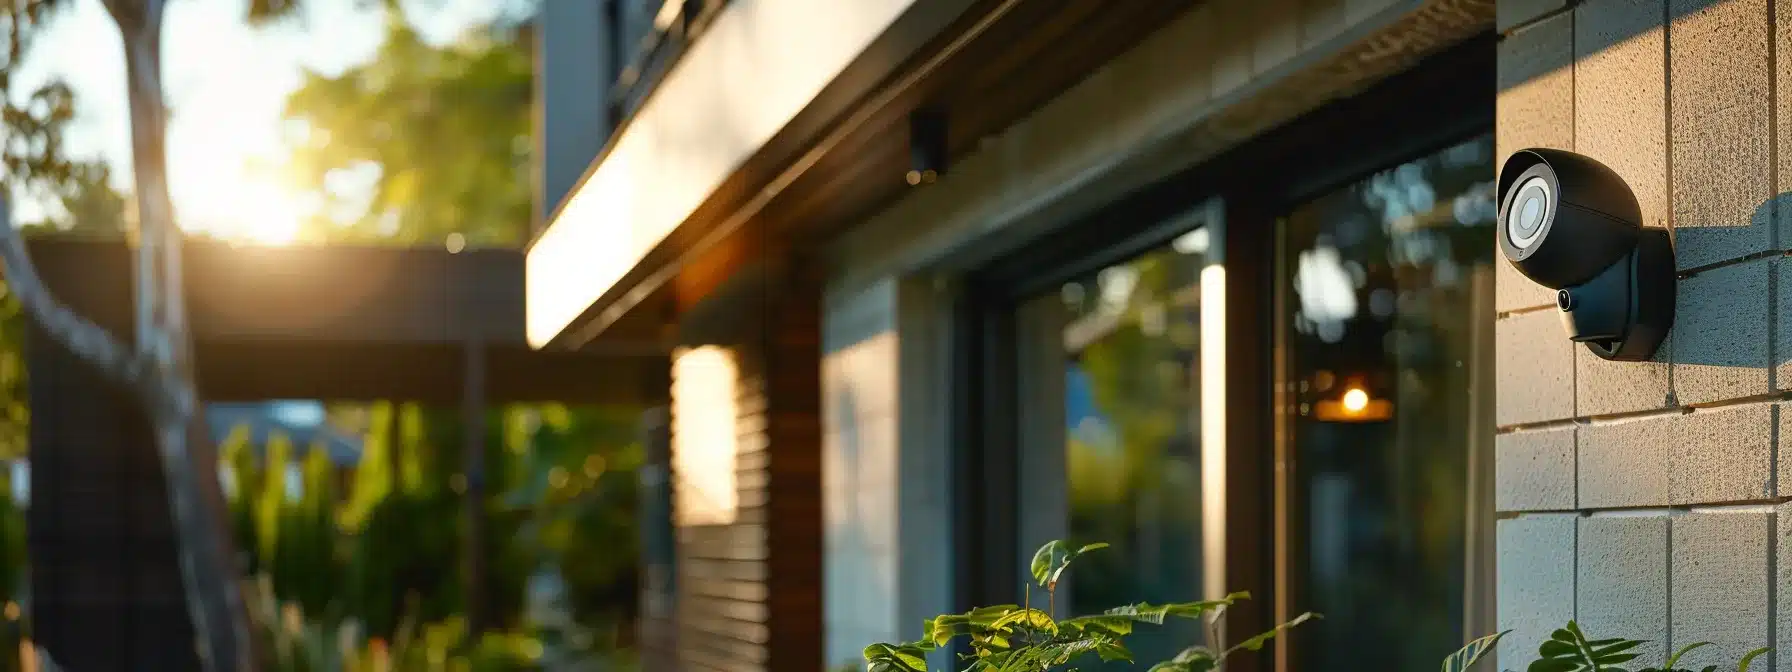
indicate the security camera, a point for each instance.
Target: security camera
{"x":1571,"y":224}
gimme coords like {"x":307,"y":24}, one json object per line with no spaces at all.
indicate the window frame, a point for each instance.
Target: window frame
{"x":1257,"y":183}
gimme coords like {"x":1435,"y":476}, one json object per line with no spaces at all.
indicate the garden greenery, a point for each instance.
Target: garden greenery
{"x":1570,"y":650}
{"x":1013,"y":638}
{"x":1017,"y":638}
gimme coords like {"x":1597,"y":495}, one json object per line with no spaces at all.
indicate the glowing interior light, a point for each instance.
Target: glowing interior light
{"x":1355,"y":400}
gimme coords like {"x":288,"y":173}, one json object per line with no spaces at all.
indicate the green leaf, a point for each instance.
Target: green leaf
{"x":1192,"y":659}
{"x":1553,"y":665}
{"x":1032,"y":619}
{"x":1156,"y":613}
{"x":1553,"y":648}
{"x":1468,"y":655}
{"x":1609,"y":647}
{"x":1114,"y":625}
{"x":1051,"y":581}
{"x":1750,"y":657}
{"x":1256,"y":643}
{"x":893,"y":658}
{"x":1112,"y":651}
{"x":1674,"y":660}
{"x":1045,"y":560}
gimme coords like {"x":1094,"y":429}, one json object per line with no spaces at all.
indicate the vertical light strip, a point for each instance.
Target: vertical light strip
{"x":1213,"y":414}
{"x":704,"y":439}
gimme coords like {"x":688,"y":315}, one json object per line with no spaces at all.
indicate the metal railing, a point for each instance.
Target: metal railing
{"x":648,"y":37}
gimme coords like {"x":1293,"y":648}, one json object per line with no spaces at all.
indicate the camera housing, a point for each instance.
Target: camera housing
{"x":1570,"y":223}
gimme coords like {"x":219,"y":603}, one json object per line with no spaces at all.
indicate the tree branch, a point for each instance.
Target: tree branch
{"x":82,"y":337}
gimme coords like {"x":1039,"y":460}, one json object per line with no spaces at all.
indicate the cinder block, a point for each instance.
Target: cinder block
{"x":1783,"y":192}
{"x":1534,"y":471}
{"x":1782,"y":345}
{"x":1720,"y":334}
{"x":1720,"y":584}
{"x":1602,"y":387}
{"x":1783,"y":549}
{"x":1536,"y":580}
{"x":1722,"y":455}
{"x":1723,"y":104}
{"x":1535,"y":108}
{"x":1535,"y":369}
{"x":1783,"y":420}
{"x":836,"y":487}
{"x":838,"y":604}
{"x":1510,"y":14}
{"x":1155,"y":94}
{"x":1625,"y":463}
{"x":1620,"y":98}
{"x":1622,"y":580}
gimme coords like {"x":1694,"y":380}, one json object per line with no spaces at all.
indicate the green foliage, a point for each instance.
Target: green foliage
{"x":300,"y":645}
{"x":443,"y":130}
{"x":1471,"y":653}
{"x":1016,"y":637}
{"x":1569,"y":649}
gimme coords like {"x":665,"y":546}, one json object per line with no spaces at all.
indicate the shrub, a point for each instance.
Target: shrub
{"x":1018,"y":637}
{"x":1570,"y":650}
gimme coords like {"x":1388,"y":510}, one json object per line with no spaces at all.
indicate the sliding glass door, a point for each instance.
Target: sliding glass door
{"x":1384,"y":288}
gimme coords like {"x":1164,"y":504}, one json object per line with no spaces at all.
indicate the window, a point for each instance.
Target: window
{"x":1132,"y":448}
{"x":1385,"y":286}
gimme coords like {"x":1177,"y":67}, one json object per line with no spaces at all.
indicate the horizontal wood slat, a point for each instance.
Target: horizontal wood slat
{"x":750,"y":591}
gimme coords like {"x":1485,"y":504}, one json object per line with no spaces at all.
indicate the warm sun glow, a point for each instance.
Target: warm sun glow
{"x":230,"y":183}
{"x":1355,"y":400}
{"x":265,"y":214}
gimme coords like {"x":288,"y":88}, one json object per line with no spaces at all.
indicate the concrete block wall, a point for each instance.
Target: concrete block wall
{"x":885,"y":464}
{"x":1644,"y":499}
{"x":860,"y":471}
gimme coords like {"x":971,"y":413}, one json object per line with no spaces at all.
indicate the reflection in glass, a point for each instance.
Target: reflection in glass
{"x":1133,"y":415}
{"x":1379,"y":324}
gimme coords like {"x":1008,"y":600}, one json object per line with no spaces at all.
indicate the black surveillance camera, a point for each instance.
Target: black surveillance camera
{"x":1571,"y":224}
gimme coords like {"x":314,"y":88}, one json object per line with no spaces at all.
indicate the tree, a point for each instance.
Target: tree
{"x":89,"y":202}
{"x":444,"y":128}
{"x":158,"y":366}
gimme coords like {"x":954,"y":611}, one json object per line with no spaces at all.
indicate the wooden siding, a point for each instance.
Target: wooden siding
{"x":749,"y":592}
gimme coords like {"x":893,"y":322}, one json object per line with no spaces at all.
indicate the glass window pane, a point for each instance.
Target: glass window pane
{"x":1132,"y":410}
{"x":1379,"y":331}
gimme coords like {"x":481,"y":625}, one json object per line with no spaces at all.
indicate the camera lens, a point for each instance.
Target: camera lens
{"x":1524,"y":220}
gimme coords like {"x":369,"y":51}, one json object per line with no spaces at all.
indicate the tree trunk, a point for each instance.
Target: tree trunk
{"x":210,"y":575}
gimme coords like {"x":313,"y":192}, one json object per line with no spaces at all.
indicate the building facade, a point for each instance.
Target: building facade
{"x":1212,"y":281}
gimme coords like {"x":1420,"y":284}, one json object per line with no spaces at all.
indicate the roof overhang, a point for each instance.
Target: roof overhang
{"x":770,"y":129}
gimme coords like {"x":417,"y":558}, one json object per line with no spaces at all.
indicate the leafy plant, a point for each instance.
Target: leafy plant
{"x":1568,"y":649}
{"x":1018,"y":637}
{"x":1466,"y":657}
